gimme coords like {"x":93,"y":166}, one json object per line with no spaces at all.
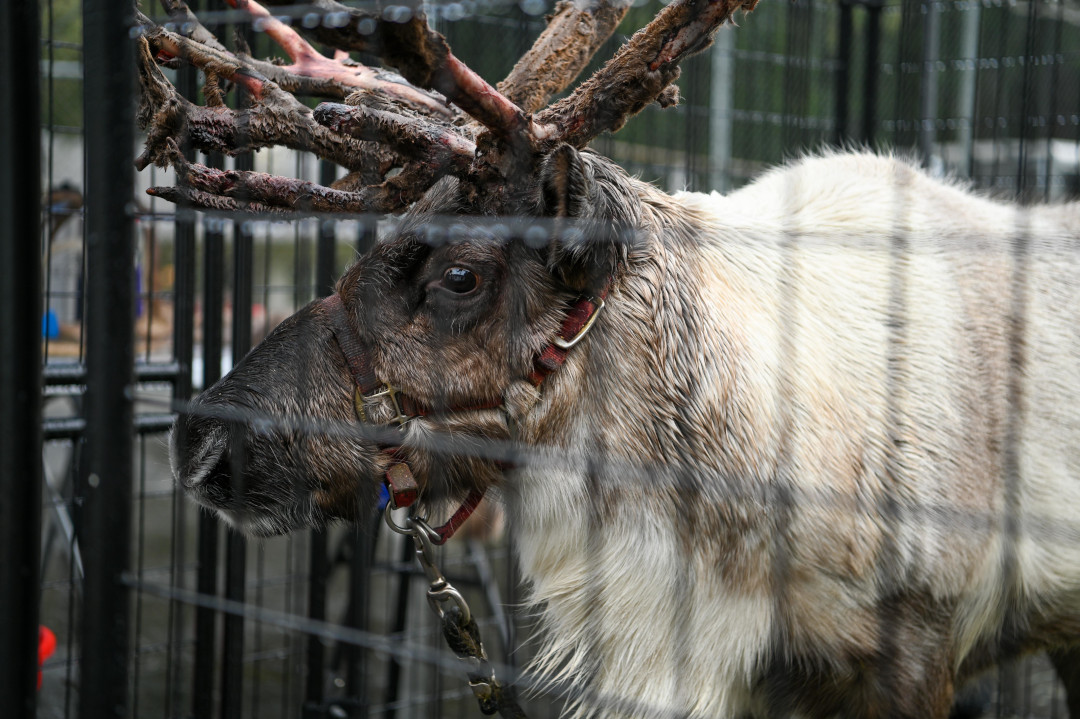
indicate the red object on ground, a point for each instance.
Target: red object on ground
{"x":46,"y":646}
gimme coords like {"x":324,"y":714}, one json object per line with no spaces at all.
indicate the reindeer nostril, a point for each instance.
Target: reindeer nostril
{"x":201,"y":449}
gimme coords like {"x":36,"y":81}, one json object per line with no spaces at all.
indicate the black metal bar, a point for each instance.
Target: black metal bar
{"x":203,"y":685}
{"x":870,"y":78}
{"x":325,"y":267}
{"x":314,"y":692}
{"x":315,"y":687}
{"x":368,"y":235}
{"x":106,"y":481}
{"x":184,"y":353}
{"x":928,"y":81}
{"x":1059,"y":26}
{"x":232,"y":661}
{"x":20,"y":362}
{"x":357,"y":618}
{"x":843,"y":73}
{"x":209,"y":528}
{"x":232,"y":676}
{"x":1027,"y":101}
{"x":796,"y":86}
{"x":401,"y":613}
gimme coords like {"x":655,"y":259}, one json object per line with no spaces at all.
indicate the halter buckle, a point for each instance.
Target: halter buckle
{"x":567,"y":343}
{"x":387,"y":391}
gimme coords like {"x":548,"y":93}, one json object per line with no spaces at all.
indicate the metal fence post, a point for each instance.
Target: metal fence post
{"x":209,"y":531}
{"x":315,"y":683}
{"x":842,"y":92}
{"x":20,"y":358}
{"x":184,"y":344}
{"x":108,"y":107}
{"x":870,"y":79}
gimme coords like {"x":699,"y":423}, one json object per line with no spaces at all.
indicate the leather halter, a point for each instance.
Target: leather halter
{"x":400,"y":482}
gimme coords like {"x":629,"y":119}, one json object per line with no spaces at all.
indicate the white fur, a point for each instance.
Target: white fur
{"x":802,"y":375}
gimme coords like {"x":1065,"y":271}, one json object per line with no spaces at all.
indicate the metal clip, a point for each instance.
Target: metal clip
{"x":388,"y":516}
{"x":568,"y":343}
{"x":482,"y":689}
{"x":440,"y":591}
{"x":387,"y":391}
{"x":437,"y":596}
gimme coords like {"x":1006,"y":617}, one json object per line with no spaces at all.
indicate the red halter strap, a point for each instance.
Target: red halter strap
{"x":404,"y":492}
{"x":577,"y":323}
{"x":400,"y":482}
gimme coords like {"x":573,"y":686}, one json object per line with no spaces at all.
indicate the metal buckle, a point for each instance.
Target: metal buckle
{"x":568,"y":343}
{"x":387,"y":391}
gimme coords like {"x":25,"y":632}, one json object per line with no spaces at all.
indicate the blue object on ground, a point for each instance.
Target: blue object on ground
{"x":50,"y":325}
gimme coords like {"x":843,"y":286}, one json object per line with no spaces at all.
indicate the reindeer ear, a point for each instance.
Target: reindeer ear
{"x":583,"y":251}
{"x":564,"y":183}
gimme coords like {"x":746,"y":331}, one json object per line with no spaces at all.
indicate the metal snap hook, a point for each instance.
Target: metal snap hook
{"x":388,"y":517}
{"x":446,"y":593}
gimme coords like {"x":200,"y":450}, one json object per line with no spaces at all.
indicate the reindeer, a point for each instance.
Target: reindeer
{"x":810,"y":448}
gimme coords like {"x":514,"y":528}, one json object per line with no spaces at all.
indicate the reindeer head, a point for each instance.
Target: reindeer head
{"x":452,"y":311}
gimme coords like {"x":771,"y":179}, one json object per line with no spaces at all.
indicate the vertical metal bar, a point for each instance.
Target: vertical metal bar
{"x":203,"y":685}
{"x":870,"y":79}
{"x":314,"y":692}
{"x":1027,"y":100}
{"x":692,"y":80}
{"x":401,"y":613}
{"x":800,"y":16}
{"x":721,"y":97}
{"x":360,"y":581}
{"x":1059,"y":26}
{"x":183,"y":344}
{"x":235,"y":546}
{"x":325,"y":267}
{"x":966,"y":106}
{"x":209,"y":534}
{"x":843,"y":74}
{"x":232,"y":659}
{"x":232,"y":666}
{"x":20,"y":362}
{"x":105,"y":540}
{"x":928,"y":86}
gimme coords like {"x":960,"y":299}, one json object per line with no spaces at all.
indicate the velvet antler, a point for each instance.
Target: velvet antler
{"x":403,"y":122}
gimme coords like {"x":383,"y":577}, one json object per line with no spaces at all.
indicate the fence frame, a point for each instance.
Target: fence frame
{"x":20,"y":360}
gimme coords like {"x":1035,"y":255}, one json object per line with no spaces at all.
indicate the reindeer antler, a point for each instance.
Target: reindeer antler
{"x":402,"y":121}
{"x":640,"y":72}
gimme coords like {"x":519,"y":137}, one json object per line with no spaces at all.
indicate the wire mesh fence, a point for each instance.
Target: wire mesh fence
{"x":335,"y":622}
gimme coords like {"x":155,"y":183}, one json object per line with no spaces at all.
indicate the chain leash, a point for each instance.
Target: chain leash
{"x":459,"y":627}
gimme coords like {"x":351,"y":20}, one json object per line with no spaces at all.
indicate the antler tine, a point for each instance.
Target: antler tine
{"x":638,"y":74}
{"x":413,"y":137}
{"x":183,"y":17}
{"x":189,"y":26}
{"x":573,"y":34}
{"x":262,"y":193}
{"x":278,"y":119}
{"x":423,"y":57}
{"x":308,"y":62}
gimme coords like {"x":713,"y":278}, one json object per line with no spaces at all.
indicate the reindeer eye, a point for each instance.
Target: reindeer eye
{"x":460,"y":280}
